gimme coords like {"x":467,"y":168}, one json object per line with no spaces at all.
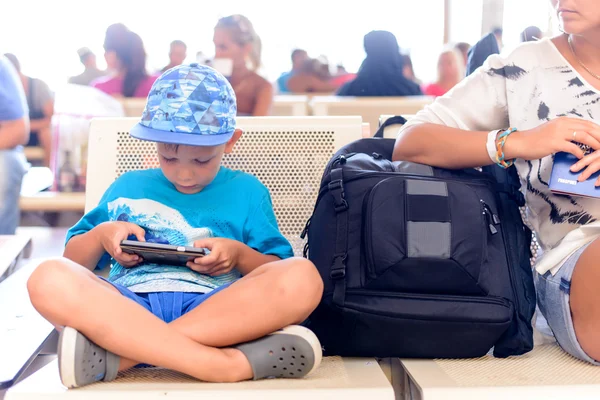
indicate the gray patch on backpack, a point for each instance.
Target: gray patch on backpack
{"x":406,"y":167}
{"x":430,"y":188}
{"x":429,"y":239}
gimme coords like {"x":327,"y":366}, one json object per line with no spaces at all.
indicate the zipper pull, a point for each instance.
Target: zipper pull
{"x":305,"y":230}
{"x":490,"y":218}
{"x":493,"y":229}
{"x":496,"y":219}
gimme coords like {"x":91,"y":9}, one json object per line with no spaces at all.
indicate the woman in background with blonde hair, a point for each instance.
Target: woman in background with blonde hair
{"x":236,"y":40}
{"x":450,"y":71}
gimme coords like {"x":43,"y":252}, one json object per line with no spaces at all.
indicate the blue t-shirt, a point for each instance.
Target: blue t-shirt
{"x":13,"y":104}
{"x":235,"y":206}
{"x":282,"y":82}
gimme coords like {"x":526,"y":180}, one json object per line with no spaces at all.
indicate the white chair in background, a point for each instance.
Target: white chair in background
{"x":290,"y":106}
{"x":288,"y":155}
{"x":133,"y":106}
{"x":369,"y":108}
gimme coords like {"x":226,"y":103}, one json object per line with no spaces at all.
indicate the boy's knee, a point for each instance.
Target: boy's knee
{"x":303,"y":281}
{"x":51,"y":278}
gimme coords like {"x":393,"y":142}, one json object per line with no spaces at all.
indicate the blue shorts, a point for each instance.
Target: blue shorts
{"x":167,"y":306}
{"x":553,"y":294}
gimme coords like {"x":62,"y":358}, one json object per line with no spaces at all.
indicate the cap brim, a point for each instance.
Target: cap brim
{"x":142,"y":132}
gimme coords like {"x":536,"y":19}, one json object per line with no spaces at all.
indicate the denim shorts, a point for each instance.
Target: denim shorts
{"x":168,"y":306}
{"x":553,"y":299}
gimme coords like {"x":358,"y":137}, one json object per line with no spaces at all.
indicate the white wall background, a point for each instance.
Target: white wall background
{"x":45,"y":34}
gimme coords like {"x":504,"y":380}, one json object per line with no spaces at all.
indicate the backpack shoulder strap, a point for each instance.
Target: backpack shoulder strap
{"x":398,"y":119}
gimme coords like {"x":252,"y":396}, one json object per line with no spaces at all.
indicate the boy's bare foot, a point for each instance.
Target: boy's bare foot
{"x":292,"y":352}
{"x":81,"y":361}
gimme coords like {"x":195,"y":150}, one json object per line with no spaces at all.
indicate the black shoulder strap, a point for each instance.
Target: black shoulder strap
{"x":338,"y":267}
{"x":398,"y":119}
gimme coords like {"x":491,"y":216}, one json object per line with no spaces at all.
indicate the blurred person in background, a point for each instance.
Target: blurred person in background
{"x":313,"y":77}
{"x":498,"y":34}
{"x":90,"y":72}
{"x":237,"y":42}
{"x":126,"y":60}
{"x":407,"y":69}
{"x":177,"y":54}
{"x":381,"y":72}
{"x":531,"y":33}
{"x":299,"y":57}
{"x":40,"y":102}
{"x":463,"y":48}
{"x":14,"y":132}
{"x":341,"y":76}
{"x":450,"y":71}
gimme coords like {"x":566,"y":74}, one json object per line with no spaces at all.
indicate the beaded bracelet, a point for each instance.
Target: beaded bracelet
{"x":500,"y":141}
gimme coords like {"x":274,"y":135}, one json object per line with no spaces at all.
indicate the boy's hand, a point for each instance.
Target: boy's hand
{"x":223,"y":257}
{"x":112,"y":233}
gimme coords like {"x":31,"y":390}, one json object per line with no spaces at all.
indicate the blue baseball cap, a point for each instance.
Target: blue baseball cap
{"x":191,"y":105}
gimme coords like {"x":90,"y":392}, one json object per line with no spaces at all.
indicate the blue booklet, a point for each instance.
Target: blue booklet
{"x":563,"y":181}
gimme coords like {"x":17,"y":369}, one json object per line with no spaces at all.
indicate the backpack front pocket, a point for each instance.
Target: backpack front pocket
{"x":424,"y":235}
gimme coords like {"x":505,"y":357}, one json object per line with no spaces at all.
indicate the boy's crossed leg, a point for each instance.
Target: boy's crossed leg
{"x":271,"y":297}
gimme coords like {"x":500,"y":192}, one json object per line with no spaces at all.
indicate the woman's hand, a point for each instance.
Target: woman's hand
{"x":591,"y":163}
{"x":223,"y":257}
{"x":552,"y":137}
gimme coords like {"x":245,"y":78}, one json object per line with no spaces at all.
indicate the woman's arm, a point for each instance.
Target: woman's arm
{"x":442,"y":146}
{"x":264,"y":100}
{"x":453,"y":148}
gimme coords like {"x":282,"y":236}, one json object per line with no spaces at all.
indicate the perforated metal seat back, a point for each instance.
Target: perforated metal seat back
{"x":288,"y":155}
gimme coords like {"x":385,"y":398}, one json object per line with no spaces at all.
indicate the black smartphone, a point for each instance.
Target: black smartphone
{"x":157,"y":253}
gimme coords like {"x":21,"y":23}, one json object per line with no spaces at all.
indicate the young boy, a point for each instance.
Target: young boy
{"x":190,"y":319}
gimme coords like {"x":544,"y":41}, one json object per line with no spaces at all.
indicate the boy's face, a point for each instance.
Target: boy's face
{"x":191,"y":168}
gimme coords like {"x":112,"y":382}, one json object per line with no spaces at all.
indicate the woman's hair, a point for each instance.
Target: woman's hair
{"x":129,"y":48}
{"x":243,"y":33}
{"x":459,"y":60}
{"x":531,"y":34}
{"x":381,"y":72}
{"x":14,"y":61}
{"x":316,"y":68}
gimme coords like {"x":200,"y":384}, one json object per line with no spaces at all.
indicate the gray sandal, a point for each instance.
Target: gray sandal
{"x":292,"y":352}
{"x":81,"y":361}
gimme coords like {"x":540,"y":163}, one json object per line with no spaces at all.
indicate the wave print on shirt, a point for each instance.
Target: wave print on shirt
{"x":164,"y":225}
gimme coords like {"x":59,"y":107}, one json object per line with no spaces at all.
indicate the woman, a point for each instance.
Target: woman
{"x":450,"y":72}
{"x":125,"y":56}
{"x":312,"y":78}
{"x":381,"y":73}
{"x":40,"y":102}
{"x":235,"y":39}
{"x":549,"y":91}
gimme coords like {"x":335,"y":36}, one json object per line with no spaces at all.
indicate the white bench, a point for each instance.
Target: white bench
{"x":547,"y":373}
{"x":289,"y":156}
{"x":290,"y":105}
{"x":369,"y":108}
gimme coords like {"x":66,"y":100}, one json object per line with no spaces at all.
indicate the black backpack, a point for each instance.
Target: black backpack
{"x":419,"y":261}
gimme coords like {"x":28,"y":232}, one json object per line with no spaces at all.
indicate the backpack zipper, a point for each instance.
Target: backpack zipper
{"x":491,"y":218}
